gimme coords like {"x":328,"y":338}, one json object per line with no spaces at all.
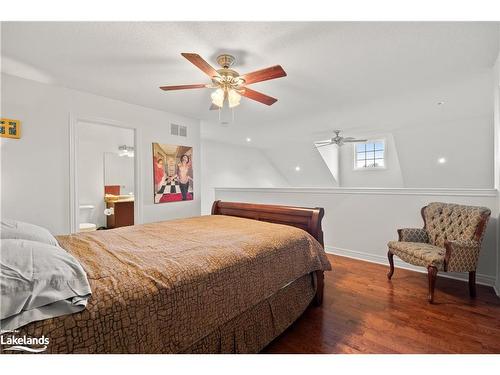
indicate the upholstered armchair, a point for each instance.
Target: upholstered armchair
{"x":450,"y":241}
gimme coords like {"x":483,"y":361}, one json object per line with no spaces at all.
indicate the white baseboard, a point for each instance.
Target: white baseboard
{"x":374,"y":258}
{"x":496,"y":288}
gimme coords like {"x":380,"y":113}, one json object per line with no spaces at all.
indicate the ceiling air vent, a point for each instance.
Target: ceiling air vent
{"x":179,"y":130}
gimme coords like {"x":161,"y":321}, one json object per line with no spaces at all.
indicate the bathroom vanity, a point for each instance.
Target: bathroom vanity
{"x":122,"y":213}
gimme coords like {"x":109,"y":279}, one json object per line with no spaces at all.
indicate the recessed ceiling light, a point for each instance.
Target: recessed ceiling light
{"x":249,"y":139}
{"x":297,"y":168}
{"x":442,"y":160}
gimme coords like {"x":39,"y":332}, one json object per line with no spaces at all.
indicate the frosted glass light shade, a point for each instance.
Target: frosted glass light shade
{"x":233,"y":98}
{"x":218,"y":97}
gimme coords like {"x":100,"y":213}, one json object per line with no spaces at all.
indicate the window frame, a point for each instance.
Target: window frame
{"x":354,"y":153}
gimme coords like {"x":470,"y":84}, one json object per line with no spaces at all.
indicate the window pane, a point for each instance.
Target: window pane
{"x":369,"y":155}
{"x":360,"y":156}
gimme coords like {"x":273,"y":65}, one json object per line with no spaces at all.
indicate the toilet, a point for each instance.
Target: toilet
{"x":85,"y":217}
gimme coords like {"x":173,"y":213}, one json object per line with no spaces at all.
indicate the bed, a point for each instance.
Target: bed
{"x":229,"y":282}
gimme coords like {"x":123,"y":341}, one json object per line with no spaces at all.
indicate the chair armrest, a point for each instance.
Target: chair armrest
{"x":413,"y":235}
{"x":461,"y":255}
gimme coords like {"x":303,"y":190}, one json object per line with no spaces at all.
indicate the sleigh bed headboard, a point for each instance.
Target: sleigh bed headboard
{"x":308,"y":219}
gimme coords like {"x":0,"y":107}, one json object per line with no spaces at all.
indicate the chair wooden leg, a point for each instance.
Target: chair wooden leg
{"x":472,"y":284}
{"x":431,"y":274}
{"x":390,"y":256}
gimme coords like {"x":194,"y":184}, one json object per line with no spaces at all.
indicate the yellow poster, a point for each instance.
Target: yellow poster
{"x":10,"y":128}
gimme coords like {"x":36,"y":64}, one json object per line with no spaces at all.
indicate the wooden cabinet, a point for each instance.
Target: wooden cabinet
{"x":123,"y":214}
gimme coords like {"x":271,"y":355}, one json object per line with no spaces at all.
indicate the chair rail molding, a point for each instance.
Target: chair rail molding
{"x":368,"y":191}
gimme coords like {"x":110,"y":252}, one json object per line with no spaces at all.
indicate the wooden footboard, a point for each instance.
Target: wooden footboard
{"x":308,"y":219}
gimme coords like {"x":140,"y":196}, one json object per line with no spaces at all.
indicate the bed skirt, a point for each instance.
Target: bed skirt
{"x":253,"y":330}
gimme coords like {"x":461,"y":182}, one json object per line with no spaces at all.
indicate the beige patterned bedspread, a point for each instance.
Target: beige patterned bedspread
{"x":161,"y":287}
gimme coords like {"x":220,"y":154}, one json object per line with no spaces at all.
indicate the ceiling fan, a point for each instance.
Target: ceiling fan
{"x":338,"y":140}
{"x":229,"y":84}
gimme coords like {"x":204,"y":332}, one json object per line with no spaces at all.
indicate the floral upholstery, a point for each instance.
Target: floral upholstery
{"x":419,"y":254}
{"x":450,"y":241}
{"x":444,"y":221}
{"x":413,"y":235}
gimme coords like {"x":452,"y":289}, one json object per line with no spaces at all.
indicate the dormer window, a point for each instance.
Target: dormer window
{"x":369,"y":155}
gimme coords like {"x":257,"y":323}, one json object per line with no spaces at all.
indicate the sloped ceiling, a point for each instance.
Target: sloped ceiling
{"x":332,"y":67}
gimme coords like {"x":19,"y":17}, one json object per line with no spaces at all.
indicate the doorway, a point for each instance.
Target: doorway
{"x":104,"y":175}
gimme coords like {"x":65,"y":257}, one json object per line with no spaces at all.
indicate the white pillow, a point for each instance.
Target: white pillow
{"x":13,"y":229}
{"x":38,"y":281}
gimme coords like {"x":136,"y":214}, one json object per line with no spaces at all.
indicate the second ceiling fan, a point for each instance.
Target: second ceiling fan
{"x":338,"y":140}
{"x":229,"y":85}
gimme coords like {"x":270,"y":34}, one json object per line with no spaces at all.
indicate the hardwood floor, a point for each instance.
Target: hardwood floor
{"x":363,"y":312}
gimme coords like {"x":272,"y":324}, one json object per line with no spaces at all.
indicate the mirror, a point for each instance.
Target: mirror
{"x":119,"y":171}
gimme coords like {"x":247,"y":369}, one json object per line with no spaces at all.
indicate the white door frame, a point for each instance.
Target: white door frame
{"x":74,"y":205}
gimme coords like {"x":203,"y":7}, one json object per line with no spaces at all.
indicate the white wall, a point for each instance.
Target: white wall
{"x":466,"y":144}
{"x":35,"y":169}
{"x":331,"y":157}
{"x":228,"y":165}
{"x":496,"y":98}
{"x":412,"y":157}
{"x":94,"y":141}
{"x":413,"y":150}
{"x":313,"y":169}
{"x":360,"y":222}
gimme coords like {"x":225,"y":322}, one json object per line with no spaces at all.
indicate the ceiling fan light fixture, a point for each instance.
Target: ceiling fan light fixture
{"x":228,"y":82}
{"x":218,"y":97}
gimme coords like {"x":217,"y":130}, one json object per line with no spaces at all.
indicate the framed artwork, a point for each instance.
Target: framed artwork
{"x":172,"y":173}
{"x":10,"y":128}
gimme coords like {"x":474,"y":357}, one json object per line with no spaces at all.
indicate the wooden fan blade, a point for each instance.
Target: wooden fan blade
{"x":353,"y":140}
{"x":201,"y":64}
{"x":183,"y":87}
{"x":264,"y":74}
{"x":214,"y":107}
{"x":258,"y":96}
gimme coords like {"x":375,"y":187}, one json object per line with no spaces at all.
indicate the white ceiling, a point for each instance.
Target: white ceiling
{"x":332,"y":66}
